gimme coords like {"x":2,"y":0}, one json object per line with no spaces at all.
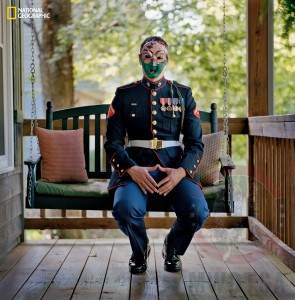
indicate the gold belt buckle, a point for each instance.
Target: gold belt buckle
{"x":157,"y":144}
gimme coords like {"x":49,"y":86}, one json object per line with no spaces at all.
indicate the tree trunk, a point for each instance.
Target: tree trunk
{"x":56,"y":75}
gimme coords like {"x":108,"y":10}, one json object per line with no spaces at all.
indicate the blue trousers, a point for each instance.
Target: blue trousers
{"x":187,"y":200}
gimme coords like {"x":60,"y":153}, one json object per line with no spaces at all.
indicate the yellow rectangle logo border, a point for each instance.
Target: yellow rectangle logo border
{"x":10,"y":9}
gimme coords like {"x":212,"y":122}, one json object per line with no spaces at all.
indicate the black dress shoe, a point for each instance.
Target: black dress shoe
{"x":172,"y":262}
{"x":139,"y":265}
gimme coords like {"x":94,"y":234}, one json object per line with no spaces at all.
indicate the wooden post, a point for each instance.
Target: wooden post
{"x":17,"y":103}
{"x":260,"y":71}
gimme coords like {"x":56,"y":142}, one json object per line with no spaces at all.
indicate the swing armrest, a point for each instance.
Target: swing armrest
{"x":226,"y":162}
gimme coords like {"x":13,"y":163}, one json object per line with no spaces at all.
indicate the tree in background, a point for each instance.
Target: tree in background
{"x":55,"y":55}
{"x":57,"y":68}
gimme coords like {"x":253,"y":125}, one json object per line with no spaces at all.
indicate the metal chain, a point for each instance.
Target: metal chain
{"x":225,"y":99}
{"x":34,"y":121}
{"x":30,"y":184}
{"x":225,"y":84}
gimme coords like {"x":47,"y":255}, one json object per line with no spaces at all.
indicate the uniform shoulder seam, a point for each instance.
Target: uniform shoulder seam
{"x":181,"y":85}
{"x":129,"y":85}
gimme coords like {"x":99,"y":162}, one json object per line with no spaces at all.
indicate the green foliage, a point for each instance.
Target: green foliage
{"x":287,"y":10}
{"x":107,"y":35}
{"x":284,"y":64}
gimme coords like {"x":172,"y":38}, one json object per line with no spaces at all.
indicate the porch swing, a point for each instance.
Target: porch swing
{"x":94,"y":195}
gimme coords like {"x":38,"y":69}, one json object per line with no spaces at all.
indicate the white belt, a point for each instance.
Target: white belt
{"x":153,"y":144}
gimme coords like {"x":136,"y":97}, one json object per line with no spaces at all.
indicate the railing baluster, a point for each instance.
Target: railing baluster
{"x":75,"y":122}
{"x":64,"y":124}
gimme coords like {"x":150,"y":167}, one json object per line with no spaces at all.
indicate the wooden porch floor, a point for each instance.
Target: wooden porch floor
{"x":98,"y":269}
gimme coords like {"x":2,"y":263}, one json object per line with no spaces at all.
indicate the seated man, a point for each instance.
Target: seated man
{"x":153,"y":112}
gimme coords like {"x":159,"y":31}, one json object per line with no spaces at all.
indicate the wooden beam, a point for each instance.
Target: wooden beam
{"x":283,"y":130}
{"x":110,"y":223}
{"x":273,"y":126}
{"x":272,"y":242}
{"x":260,"y":57}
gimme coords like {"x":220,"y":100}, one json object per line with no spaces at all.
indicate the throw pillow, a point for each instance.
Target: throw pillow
{"x":62,"y":153}
{"x":209,"y":168}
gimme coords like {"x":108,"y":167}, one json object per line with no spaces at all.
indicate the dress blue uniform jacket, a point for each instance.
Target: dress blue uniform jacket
{"x":136,"y":112}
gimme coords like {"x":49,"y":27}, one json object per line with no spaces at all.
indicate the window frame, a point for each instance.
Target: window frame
{"x":7,"y":160}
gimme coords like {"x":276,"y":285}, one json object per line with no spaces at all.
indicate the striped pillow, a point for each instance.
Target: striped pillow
{"x":62,"y":154}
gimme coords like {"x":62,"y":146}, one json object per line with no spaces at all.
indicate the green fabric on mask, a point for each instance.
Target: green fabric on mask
{"x":153,"y":70}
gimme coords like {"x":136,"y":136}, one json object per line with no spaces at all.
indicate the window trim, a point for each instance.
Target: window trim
{"x":7,"y":160}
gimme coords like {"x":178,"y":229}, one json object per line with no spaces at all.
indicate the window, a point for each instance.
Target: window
{"x":6,"y":98}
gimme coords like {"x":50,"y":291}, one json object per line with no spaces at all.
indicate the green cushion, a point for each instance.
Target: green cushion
{"x":92,"y":188}
{"x":212,"y":190}
{"x":98,"y":188}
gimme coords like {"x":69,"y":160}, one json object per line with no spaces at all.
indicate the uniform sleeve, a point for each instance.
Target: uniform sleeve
{"x":192,"y":137}
{"x":115,"y":137}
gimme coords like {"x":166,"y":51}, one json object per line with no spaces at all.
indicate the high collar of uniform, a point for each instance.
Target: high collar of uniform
{"x":153,"y":85}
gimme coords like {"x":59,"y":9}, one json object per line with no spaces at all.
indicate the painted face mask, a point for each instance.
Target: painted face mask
{"x":152,"y":69}
{"x":153,"y":59}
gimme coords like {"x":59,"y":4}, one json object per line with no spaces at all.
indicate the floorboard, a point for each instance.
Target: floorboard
{"x":66,"y":278}
{"x":117,"y":281}
{"x":22,"y":270}
{"x":280,"y":286}
{"x":12,"y":258}
{"x":194,"y":275}
{"x":92,"y":278}
{"x":98,"y":269}
{"x":40,"y":279}
{"x":222,"y":280}
{"x":251,"y":284}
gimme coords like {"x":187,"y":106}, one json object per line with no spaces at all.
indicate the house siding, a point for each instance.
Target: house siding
{"x":11,"y":183}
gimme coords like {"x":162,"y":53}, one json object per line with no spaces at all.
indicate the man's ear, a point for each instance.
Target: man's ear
{"x":139,"y":58}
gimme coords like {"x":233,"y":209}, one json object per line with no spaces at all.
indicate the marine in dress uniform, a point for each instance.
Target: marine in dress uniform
{"x":153,"y":114}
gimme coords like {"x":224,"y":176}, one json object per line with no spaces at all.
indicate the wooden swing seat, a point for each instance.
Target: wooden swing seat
{"x":93,"y":195}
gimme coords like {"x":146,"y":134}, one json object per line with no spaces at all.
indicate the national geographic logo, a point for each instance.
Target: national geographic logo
{"x":12,"y":13}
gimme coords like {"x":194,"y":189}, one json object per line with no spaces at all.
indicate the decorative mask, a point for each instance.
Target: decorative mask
{"x":153,"y":58}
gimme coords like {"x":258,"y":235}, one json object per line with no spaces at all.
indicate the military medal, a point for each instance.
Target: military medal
{"x":169,"y":108}
{"x":163,"y":102}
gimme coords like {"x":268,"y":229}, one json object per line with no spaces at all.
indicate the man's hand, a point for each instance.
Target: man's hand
{"x":171,"y":180}
{"x":142,"y":177}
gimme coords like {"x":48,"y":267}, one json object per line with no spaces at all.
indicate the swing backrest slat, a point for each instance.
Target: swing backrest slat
{"x":86,"y":141}
{"x":97,"y":144}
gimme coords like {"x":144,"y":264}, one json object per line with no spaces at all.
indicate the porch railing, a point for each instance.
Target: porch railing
{"x":272,"y":174}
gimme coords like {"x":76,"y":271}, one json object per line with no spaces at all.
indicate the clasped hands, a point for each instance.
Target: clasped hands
{"x":147,"y":183}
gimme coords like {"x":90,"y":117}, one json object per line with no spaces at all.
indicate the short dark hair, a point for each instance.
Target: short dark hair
{"x":156,"y":39}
